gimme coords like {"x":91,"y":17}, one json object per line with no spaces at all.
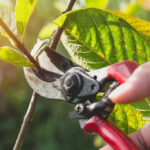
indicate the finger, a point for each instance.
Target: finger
{"x":107,"y":147}
{"x":135,"y":88}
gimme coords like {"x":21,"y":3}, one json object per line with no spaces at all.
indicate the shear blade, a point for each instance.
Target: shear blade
{"x":82,"y":122}
{"x":55,"y":66}
{"x":74,"y":115}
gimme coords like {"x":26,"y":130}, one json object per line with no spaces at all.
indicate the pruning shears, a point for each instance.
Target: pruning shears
{"x":66,"y":81}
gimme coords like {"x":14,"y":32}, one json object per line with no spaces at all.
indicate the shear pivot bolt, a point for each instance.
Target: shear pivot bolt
{"x":79,"y":108}
{"x":72,"y":84}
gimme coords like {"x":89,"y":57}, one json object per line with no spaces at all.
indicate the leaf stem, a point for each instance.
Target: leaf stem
{"x":20,"y":45}
{"x":29,"y":114}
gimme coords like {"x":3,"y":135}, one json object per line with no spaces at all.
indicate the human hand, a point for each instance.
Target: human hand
{"x":136,"y":88}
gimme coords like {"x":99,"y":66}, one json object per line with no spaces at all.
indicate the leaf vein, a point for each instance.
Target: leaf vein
{"x":88,"y":47}
{"x":99,"y":35}
{"x":135,"y":46}
{"x":99,"y":62}
{"x":111,"y":36}
{"x":127,"y":121}
{"x":145,"y":49}
{"x":78,"y":26}
{"x":123,"y":42}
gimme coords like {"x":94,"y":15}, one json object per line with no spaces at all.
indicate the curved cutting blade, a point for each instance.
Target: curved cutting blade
{"x":54,"y":66}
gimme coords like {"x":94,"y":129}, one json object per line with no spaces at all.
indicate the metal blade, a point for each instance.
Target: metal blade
{"x":49,"y":85}
{"x":82,"y":122}
{"x":99,"y":74}
{"x":54,"y":62}
{"x":44,"y":85}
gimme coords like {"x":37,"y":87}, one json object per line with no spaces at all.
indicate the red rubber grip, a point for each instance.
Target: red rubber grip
{"x":121,"y":71}
{"x":112,"y":135}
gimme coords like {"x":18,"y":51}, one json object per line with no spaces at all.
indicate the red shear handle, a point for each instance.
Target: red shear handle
{"x":121,"y":71}
{"x":111,"y":134}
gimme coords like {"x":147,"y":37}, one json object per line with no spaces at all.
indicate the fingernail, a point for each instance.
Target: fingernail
{"x":113,"y":95}
{"x":116,"y":95}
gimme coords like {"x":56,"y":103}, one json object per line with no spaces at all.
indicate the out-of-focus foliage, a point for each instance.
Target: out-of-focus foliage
{"x":24,"y":9}
{"x":9,"y":19}
{"x":47,"y":31}
{"x":11,"y":26}
{"x":11,"y":56}
{"x":99,"y":142}
{"x":51,"y":123}
{"x":51,"y":128}
{"x":9,"y":4}
{"x":97,"y":3}
{"x":132,"y":8}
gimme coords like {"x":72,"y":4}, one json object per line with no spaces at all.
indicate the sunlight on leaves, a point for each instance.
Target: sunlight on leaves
{"x":102,"y":4}
{"x":9,"y":18}
{"x":24,"y":9}
{"x":98,"y":141}
{"x":8,"y":4}
{"x":11,"y":56}
{"x":132,"y":8}
{"x":127,"y":118}
{"x":47,"y":31}
{"x":96,"y":38}
{"x":142,"y":26}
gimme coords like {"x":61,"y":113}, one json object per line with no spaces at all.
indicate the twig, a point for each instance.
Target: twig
{"x":20,"y":45}
{"x":59,"y":31}
{"x":29,"y":114}
{"x":26,"y":122}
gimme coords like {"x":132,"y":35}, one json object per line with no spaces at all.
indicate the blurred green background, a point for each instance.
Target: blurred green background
{"x":51,"y":128}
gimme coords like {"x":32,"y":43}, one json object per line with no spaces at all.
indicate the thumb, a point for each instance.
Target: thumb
{"x":135,"y":88}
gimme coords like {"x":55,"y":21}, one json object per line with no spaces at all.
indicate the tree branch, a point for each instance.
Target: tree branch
{"x":59,"y":31}
{"x":29,"y":114}
{"x":20,"y":45}
{"x":26,"y":122}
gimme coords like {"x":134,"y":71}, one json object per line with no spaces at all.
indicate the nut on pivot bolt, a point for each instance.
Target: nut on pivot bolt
{"x":72,"y":84}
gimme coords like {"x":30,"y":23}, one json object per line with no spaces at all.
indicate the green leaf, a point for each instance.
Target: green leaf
{"x":9,"y":18}
{"x":127,"y":118}
{"x":47,"y":31}
{"x":142,"y":26}
{"x":11,"y":56}
{"x":144,"y":107}
{"x":102,"y":4}
{"x":96,"y":38}
{"x":24,"y":9}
